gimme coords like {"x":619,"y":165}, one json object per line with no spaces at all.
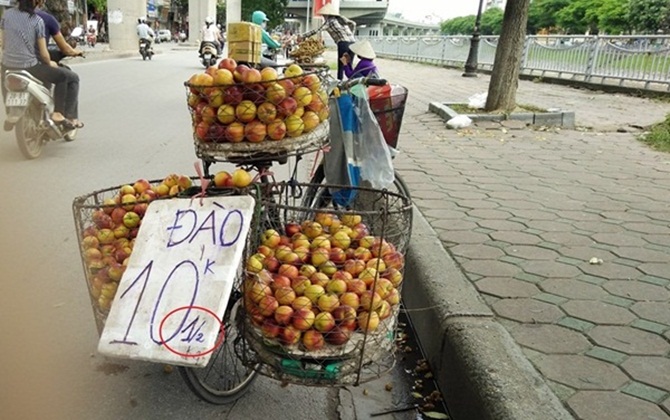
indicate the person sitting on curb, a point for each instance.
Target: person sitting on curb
{"x":366,"y":66}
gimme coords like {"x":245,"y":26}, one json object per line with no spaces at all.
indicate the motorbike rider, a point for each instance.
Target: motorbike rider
{"x":211,"y":33}
{"x":145,"y":32}
{"x":261,"y":19}
{"x":24,"y":48}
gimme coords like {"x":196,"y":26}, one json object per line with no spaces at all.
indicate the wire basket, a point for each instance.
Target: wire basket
{"x":322,"y":291}
{"x":108,"y":220}
{"x":268,"y":116}
{"x":388,"y":104}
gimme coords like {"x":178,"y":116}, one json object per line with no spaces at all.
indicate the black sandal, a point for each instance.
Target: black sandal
{"x":68,"y":125}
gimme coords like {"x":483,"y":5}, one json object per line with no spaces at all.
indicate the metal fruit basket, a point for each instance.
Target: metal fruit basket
{"x":104,"y":239}
{"x":324,"y":316}
{"x":257,"y":120}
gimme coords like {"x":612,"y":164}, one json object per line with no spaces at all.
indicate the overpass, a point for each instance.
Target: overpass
{"x":370,"y":17}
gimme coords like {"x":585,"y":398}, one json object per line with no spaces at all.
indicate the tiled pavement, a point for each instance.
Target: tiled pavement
{"x":565,"y":233}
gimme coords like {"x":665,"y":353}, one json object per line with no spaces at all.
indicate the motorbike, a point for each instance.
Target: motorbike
{"x":145,"y":49}
{"x":208,"y":54}
{"x":29,"y":104}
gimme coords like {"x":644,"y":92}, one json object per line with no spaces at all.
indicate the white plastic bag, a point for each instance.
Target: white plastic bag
{"x":477,"y":101}
{"x":459,"y":121}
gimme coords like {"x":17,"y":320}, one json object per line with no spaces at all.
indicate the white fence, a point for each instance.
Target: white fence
{"x":634,"y":61}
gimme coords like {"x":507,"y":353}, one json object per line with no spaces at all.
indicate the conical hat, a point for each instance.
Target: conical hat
{"x":329,"y":10}
{"x":363,"y":49}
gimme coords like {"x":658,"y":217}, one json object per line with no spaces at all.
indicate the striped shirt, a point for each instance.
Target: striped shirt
{"x":21,"y":32}
{"x":338,"y":27}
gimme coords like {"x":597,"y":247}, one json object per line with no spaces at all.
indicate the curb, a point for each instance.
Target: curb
{"x":480,"y":369}
{"x":558,"y":118}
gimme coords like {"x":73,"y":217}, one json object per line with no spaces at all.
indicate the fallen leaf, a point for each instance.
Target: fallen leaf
{"x":365,"y":391}
{"x":388,"y":387}
{"x":168,"y":369}
{"x":435,"y":415}
{"x":595,"y":260}
{"x":417,"y":395}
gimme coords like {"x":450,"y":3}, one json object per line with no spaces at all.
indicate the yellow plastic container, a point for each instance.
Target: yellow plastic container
{"x":244,"y":31}
{"x":245,"y":51}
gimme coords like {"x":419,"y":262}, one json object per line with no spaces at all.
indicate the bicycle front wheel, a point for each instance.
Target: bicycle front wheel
{"x":225,"y":379}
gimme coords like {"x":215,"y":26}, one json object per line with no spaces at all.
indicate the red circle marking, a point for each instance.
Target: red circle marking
{"x":219,"y":341}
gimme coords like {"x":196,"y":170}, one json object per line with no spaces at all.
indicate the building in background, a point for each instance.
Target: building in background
{"x":495,"y":3}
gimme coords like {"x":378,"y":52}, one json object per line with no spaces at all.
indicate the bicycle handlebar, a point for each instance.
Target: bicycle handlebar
{"x":367,"y":81}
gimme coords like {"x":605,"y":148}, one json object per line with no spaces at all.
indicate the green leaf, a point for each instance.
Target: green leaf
{"x":417,"y":395}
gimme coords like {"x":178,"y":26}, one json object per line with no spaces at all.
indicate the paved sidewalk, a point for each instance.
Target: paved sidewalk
{"x":524,"y":213}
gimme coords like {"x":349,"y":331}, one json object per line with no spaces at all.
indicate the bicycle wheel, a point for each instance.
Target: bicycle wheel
{"x":318,"y":197}
{"x":225,"y":379}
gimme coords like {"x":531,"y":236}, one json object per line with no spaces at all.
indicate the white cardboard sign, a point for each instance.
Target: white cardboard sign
{"x":178,"y":281}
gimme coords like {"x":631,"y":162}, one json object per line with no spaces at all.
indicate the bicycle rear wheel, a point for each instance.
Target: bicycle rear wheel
{"x":225,"y":378}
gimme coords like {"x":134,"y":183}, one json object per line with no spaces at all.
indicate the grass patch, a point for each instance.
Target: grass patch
{"x":520,"y":108}
{"x":658,"y":138}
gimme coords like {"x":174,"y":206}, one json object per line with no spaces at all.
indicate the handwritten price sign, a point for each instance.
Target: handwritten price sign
{"x":179,"y":278}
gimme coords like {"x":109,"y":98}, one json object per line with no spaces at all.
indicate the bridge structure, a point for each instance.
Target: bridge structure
{"x":370,"y":16}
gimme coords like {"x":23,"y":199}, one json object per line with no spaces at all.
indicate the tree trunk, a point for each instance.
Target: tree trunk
{"x":58,"y":8}
{"x":505,"y":75}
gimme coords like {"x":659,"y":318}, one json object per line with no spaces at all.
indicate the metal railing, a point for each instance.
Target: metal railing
{"x":635,"y":61}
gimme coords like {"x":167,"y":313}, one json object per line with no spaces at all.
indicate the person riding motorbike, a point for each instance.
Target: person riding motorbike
{"x":211,"y":33}
{"x":145,"y":32}
{"x":260,"y":18}
{"x":24,"y":48}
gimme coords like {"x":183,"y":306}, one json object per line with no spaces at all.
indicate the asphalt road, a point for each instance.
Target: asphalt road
{"x":137,"y":126}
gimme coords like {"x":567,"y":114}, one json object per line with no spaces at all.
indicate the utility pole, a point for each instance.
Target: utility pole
{"x":471,"y":63}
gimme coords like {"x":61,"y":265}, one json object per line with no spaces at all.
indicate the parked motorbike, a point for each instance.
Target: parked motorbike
{"x":145,"y":49}
{"x":208,"y":54}
{"x":29,"y":104}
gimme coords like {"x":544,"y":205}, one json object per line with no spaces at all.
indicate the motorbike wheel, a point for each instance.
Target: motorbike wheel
{"x":28,"y":136}
{"x":224,"y":379}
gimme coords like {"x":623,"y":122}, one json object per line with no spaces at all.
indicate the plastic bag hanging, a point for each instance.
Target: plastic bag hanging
{"x":371,"y":153}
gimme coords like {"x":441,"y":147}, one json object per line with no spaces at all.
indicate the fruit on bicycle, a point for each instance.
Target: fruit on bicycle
{"x":287,"y":107}
{"x":245,"y":111}
{"x":235,"y":132}
{"x":251,"y":76}
{"x":241,"y":178}
{"x":269,"y":74}
{"x":312,"y":82}
{"x":223,"y":76}
{"x":293,"y":70}
{"x":294,"y":126}
{"x":275,"y":93}
{"x":311,"y":120}
{"x":228,"y":63}
{"x":302,"y":95}
{"x":108,"y":235}
{"x":266,"y":112}
{"x":313,"y":340}
{"x":276,"y":130}
{"x":226,"y":114}
{"x":255,"y":131}
{"x":233,"y":94}
{"x":223,"y":179}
